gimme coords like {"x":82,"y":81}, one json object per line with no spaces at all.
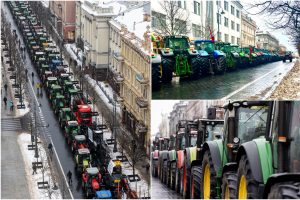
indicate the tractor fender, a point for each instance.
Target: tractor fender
{"x":156,"y":59}
{"x":218,"y":53}
{"x":180,"y":159}
{"x":172,"y":155}
{"x":250,"y":149}
{"x":190,"y":155}
{"x":232,"y":166}
{"x":192,"y":53}
{"x":214,"y":149}
{"x":163,"y":155}
{"x":279,"y":178}
{"x":169,"y":54}
{"x":235,"y":54}
{"x":202,"y":53}
{"x":156,"y":154}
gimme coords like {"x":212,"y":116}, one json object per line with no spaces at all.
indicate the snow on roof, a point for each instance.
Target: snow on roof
{"x":134,"y":19}
{"x":103,"y":8}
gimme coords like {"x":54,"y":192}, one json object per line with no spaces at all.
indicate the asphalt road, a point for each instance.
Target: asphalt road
{"x":240,"y":84}
{"x":161,"y":191}
{"x":64,"y":154}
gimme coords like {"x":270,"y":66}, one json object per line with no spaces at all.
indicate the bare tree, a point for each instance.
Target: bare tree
{"x":136,"y":154}
{"x":174,"y":22}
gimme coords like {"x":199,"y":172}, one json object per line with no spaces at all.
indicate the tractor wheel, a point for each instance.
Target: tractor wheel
{"x":291,"y":60}
{"x":196,"y":67}
{"x":167,"y":72}
{"x":284,"y":60}
{"x":285,"y":190}
{"x":154,"y":170}
{"x":178,"y":180}
{"x":209,"y":179}
{"x":220,"y":65}
{"x":165,"y":172}
{"x":229,"y":185}
{"x":173,"y":175}
{"x":186,"y":183}
{"x":156,"y":76}
{"x":247,"y":187}
{"x":195,"y":182}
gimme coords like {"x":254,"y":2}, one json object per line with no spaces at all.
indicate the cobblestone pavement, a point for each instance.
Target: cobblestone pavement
{"x":161,"y":191}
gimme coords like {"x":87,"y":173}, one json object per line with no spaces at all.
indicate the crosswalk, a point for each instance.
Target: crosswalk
{"x":11,"y":124}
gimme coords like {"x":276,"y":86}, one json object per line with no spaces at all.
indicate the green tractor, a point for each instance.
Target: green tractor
{"x":253,"y":58}
{"x":65,"y":115}
{"x":72,"y":129}
{"x":232,"y":56}
{"x":82,"y":160}
{"x":178,"y":57}
{"x":55,"y":90}
{"x":156,"y":71}
{"x":244,"y":121}
{"x":58,"y":103}
{"x":268,"y":166}
{"x":243,"y":60}
{"x":51,"y":80}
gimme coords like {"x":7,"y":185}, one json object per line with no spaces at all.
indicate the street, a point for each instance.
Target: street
{"x":240,"y":84}
{"x":161,"y":191}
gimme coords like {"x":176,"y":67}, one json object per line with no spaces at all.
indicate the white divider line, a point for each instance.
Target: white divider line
{"x":61,"y":168}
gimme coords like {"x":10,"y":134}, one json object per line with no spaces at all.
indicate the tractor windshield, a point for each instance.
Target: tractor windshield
{"x":252,"y":122}
{"x":214,"y":132}
{"x":85,"y":114}
{"x":193,"y":140}
{"x":295,"y":134}
{"x":177,"y":43}
{"x":206,"y":46}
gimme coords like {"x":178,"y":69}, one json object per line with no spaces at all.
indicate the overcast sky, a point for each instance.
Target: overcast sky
{"x":261,"y":21}
{"x":157,"y":108}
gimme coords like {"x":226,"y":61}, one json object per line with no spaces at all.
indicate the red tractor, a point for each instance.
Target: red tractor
{"x":79,"y":142}
{"x":91,"y":181}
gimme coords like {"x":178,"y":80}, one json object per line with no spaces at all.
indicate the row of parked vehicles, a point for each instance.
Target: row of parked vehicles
{"x":253,"y":153}
{"x":83,"y":136}
{"x":180,"y":56}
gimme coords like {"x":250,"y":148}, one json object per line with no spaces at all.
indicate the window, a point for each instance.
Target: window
{"x":196,"y":30}
{"x":237,"y":41}
{"x":237,"y":13}
{"x":219,"y":18}
{"x":158,"y":20}
{"x":232,"y":10}
{"x":226,"y":38}
{"x":226,"y":5}
{"x":219,"y":35}
{"x":182,"y":4}
{"x":237,"y":27}
{"x":196,"y":8}
{"x":232,"y":25}
{"x":218,"y":3}
{"x":232,"y":39}
{"x":226,"y":21}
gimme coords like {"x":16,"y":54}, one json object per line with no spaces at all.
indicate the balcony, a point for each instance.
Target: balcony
{"x":118,"y":57}
{"x":140,"y":78}
{"x":141,"y":128}
{"x":141,"y":102}
{"x":118,"y":78}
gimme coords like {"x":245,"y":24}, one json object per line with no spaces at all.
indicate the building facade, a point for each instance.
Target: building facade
{"x":249,"y":28}
{"x":266,"y":40}
{"x":217,"y":16}
{"x":198,"y":109}
{"x":63,"y":18}
{"x":178,"y":113}
{"x":164,"y":125}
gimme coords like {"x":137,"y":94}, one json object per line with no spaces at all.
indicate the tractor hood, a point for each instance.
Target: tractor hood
{"x":235,"y":54}
{"x":95,"y":184}
{"x":103,"y":194}
{"x":202,"y":53}
{"x":218,"y":53}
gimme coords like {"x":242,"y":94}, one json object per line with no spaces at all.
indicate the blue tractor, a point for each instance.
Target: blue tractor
{"x":216,"y":59}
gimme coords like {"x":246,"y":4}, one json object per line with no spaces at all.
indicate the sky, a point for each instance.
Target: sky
{"x":261,"y":21}
{"x":157,"y":108}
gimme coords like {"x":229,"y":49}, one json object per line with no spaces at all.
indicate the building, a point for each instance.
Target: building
{"x":178,"y":113}
{"x":63,"y":18}
{"x":92,"y":33}
{"x":198,"y":109}
{"x":164,"y":125}
{"x":282,"y":49}
{"x":222,"y":16}
{"x":134,"y":58}
{"x":266,"y":40}
{"x":248,"y":31}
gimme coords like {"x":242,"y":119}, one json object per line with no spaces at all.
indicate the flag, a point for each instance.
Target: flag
{"x":212,"y":37}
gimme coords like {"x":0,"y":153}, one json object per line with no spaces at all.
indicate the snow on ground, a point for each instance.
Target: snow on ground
{"x":24,"y":139}
{"x":72,"y":50}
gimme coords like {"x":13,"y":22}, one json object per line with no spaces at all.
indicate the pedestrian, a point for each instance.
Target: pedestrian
{"x":69,"y":174}
{"x":11,"y":106}
{"x":38,"y":88}
{"x":26,"y":72}
{"x":34,"y":169}
{"x":5,"y":88}
{"x":50,"y":146}
{"x":5,"y":102}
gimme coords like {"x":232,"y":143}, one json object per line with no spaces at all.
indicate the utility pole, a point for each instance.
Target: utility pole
{"x":114,"y":122}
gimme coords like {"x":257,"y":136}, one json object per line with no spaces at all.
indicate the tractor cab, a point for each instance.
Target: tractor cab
{"x":45,"y":73}
{"x":83,"y":158}
{"x":54,"y":91}
{"x":91,"y":180}
{"x":65,"y":115}
{"x":186,"y":135}
{"x":58,"y":103}
{"x":51,"y":80}
{"x":71,"y":130}
{"x":176,"y":44}
{"x":63,"y":77}
{"x":79,"y":142}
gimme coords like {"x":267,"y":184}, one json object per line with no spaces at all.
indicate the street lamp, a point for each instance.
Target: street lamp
{"x":219,"y":20}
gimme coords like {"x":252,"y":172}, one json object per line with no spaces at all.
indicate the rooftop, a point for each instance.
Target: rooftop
{"x":103,"y":8}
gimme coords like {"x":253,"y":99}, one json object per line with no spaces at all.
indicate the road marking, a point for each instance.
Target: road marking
{"x":248,"y":84}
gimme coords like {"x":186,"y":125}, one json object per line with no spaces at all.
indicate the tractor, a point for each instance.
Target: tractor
{"x":55,"y":90}
{"x":160,"y":145}
{"x":180,"y":59}
{"x":91,"y":181}
{"x":245,"y":120}
{"x":58,"y":103}
{"x":71,"y":130}
{"x":103,"y":194}
{"x":50,"y":80}
{"x":243,"y":60}
{"x":287,"y":56}
{"x":155,"y":62}
{"x":82,"y":159}
{"x":78,"y":142}
{"x":216,"y":59}
{"x":253,"y":59}
{"x":232,"y":56}
{"x":65,"y":115}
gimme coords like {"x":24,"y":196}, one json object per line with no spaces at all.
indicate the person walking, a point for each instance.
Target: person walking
{"x":11,"y":106}
{"x":5,"y":88}
{"x":5,"y":102}
{"x":38,"y":89}
{"x":69,"y":174}
{"x":34,"y":170}
{"x":50,"y":146}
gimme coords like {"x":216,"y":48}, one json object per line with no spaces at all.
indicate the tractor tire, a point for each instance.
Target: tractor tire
{"x":167,"y":72}
{"x":165,"y":172}
{"x":209,"y":178}
{"x":196,"y":68}
{"x":154,"y":170}
{"x":178,"y":180}
{"x":156,"y":76}
{"x":291,"y":60}
{"x":285,"y":190}
{"x":284,"y":60}
{"x":172,"y":175}
{"x":186,"y":183}
{"x":247,"y":187}
{"x":229,"y":185}
{"x":195,"y":182}
{"x":220,"y":65}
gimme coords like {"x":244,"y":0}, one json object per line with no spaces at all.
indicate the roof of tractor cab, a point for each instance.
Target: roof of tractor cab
{"x":66,"y":109}
{"x":83,"y":151}
{"x":60,"y":96}
{"x":64,"y":75}
{"x":247,"y":103}
{"x":80,"y":137}
{"x":176,"y":36}
{"x":72,"y":123}
{"x":52,"y":78}
{"x":199,"y":41}
{"x":92,"y":170}
{"x":84,"y":107}
{"x":54,"y":86}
